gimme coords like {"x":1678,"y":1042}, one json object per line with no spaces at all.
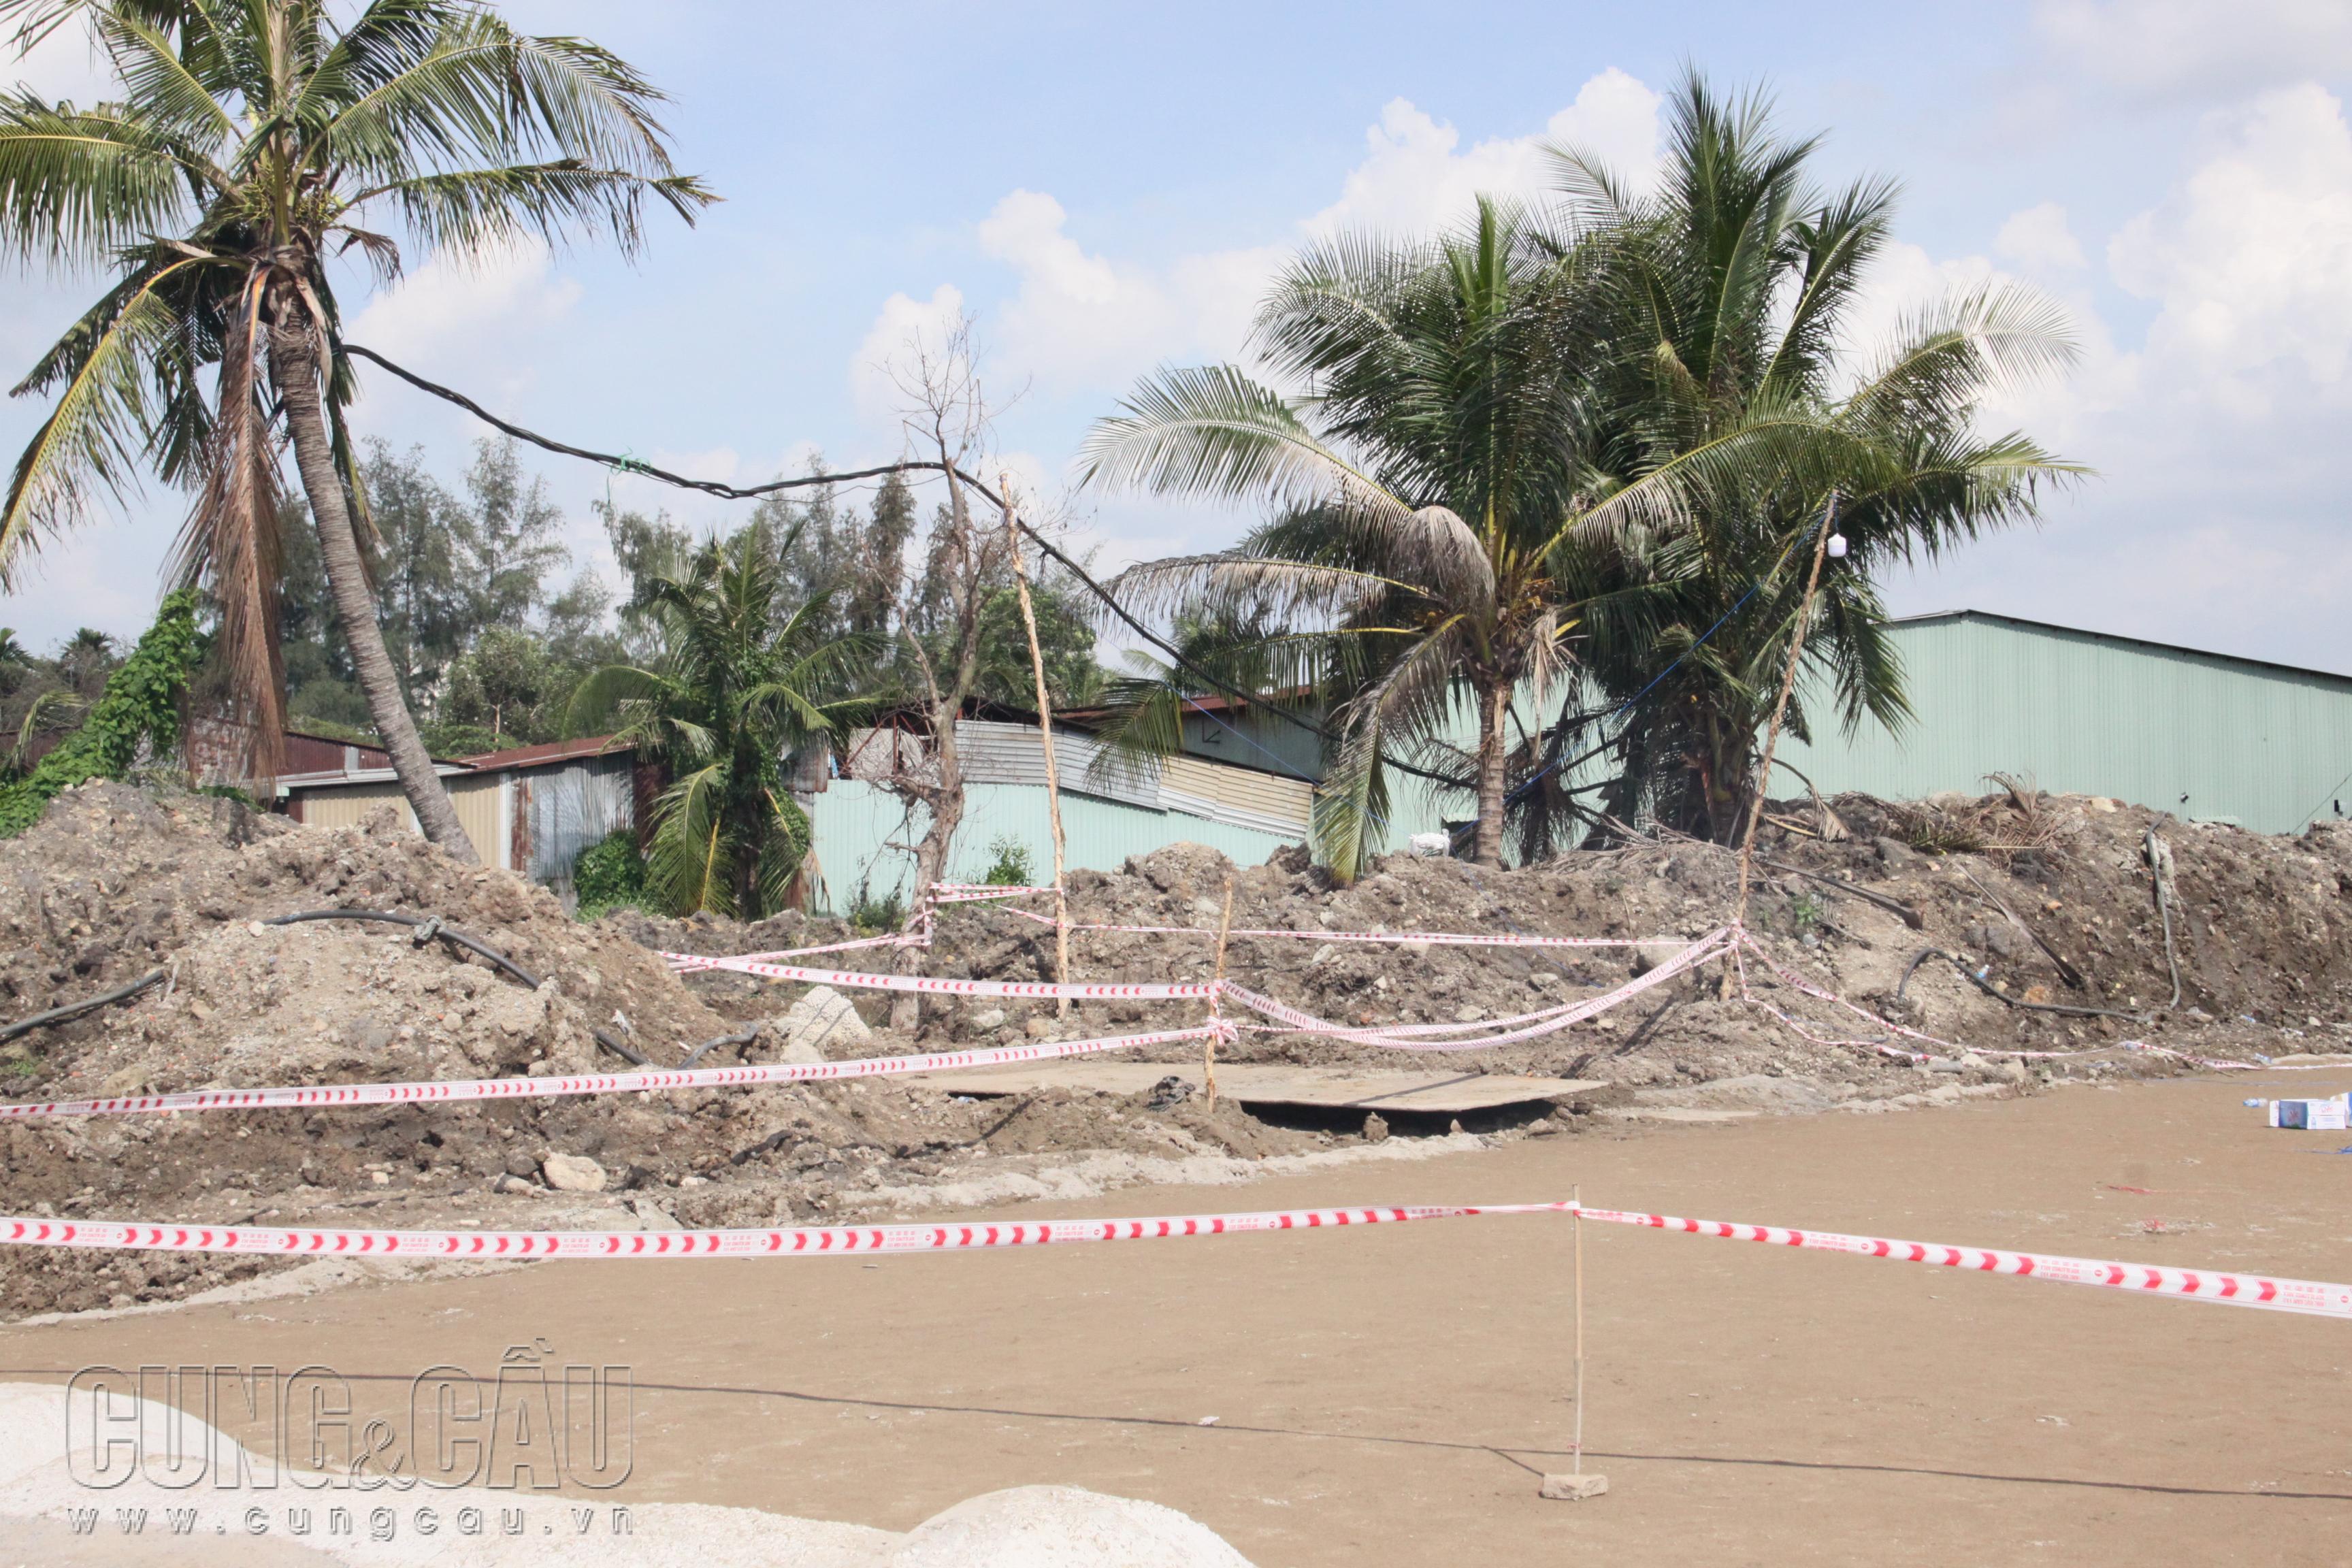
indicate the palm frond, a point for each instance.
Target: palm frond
{"x":90,"y":444}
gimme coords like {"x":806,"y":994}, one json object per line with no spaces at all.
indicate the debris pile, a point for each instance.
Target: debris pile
{"x":2014,"y":921}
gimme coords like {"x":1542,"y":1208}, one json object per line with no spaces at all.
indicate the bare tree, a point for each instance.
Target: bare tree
{"x":947,"y":417}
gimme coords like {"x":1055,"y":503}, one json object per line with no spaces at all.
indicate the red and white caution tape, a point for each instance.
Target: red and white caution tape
{"x":977,"y":892}
{"x":1551,"y":1020}
{"x":444,"y":1091}
{"x":1393,"y":938}
{"x":1191,"y":991}
{"x":2309,"y":1296}
{"x":685,"y":962}
{"x":787,"y":1241}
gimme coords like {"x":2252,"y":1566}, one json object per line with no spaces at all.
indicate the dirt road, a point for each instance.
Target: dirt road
{"x":1390,"y":1395}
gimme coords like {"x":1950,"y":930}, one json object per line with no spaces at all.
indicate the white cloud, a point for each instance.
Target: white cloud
{"x":903,"y":322}
{"x":2216,"y":520}
{"x":2199,"y":48}
{"x":2039,"y":239}
{"x":2248,"y":256}
{"x":1081,"y":322}
{"x":1412,"y":180}
{"x":469,"y":310}
{"x":1080,"y":319}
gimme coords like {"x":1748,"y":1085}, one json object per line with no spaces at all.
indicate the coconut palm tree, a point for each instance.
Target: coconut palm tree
{"x":743,"y":683}
{"x":1428,"y":492}
{"x":254,"y":142}
{"x":1728,"y":297}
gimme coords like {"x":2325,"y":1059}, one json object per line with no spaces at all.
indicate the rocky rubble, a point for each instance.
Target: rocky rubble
{"x":117,"y":881}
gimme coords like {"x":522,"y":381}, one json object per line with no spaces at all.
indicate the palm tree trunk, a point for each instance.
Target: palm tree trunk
{"x":294,"y":366}
{"x":1486,"y":845}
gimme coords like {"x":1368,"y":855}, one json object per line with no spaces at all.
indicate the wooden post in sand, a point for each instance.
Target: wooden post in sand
{"x":1576,"y":1486}
{"x":1772,"y":739}
{"x":1045,"y":733}
{"x":1217,"y":997}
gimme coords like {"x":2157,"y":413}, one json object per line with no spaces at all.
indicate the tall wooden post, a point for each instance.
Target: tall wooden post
{"x":1217,"y":997}
{"x":1772,"y":734}
{"x":1044,"y":733}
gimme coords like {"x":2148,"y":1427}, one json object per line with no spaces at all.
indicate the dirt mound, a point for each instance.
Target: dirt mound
{"x":116,"y":881}
{"x":2049,"y":898}
{"x":2017,"y":922}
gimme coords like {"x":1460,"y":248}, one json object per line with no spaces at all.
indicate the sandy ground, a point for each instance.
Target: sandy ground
{"x":1391,"y":1396}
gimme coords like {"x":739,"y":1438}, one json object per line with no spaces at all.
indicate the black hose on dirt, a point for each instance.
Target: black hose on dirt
{"x":1976,"y":979}
{"x":429,"y":926}
{"x":742,"y":1037}
{"x":73,"y":1010}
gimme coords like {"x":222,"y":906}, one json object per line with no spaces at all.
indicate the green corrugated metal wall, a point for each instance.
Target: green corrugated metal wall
{"x":2078,"y":712}
{"x":2263,"y":745}
{"x":857,"y":822}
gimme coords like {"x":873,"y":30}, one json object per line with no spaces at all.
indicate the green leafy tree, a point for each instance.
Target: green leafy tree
{"x":505,"y":540}
{"x":1422,"y":499}
{"x":420,"y":593}
{"x":509,"y":688}
{"x":137,"y":714}
{"x":1726,"y":301}
{"x":745,"y":680}
{"x":253,"y":141}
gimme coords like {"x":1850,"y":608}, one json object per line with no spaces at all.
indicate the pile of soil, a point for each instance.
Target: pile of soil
{"x":117,"y":881}
{"x":2260,"y":934}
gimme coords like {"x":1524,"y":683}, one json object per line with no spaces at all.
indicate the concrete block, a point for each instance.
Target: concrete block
{"x":1573,"y":1488}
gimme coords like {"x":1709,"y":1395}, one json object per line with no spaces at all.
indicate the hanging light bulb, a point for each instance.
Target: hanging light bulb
{"x":1837,"y":546}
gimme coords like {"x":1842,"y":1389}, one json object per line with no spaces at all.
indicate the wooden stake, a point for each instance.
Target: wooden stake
{"x":1217,"y":994}
{"x":1576,"y":1195}
{"x":1780,"y":706}
{"x":1772,"y":734}
{"x":1045,"y":733}
{"x":1576,"y":1486}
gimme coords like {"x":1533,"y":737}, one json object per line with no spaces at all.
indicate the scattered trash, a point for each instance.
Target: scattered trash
{"x":2313,"y":1115}
{"x":2255,"y":1104}
{"x":1169,"y":1093}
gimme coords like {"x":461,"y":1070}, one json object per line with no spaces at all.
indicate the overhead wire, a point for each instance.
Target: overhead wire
{"x":629,"y":465}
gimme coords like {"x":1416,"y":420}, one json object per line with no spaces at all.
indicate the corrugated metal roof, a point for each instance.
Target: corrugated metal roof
{"x":2264,"y":746}
{"x":1991,"y":618}
{"x":542,"y":754}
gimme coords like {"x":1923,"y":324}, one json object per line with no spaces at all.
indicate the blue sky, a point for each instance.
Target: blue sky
{"x":1104,"y":188}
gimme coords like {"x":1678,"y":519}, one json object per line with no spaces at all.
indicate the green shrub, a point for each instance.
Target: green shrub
{"x":1012,"y":868}
{"x":139,"y":706}
{"x":870,"y":916}
{"x":609,"y":874}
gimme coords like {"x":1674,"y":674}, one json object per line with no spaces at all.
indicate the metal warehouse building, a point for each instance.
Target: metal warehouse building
{"x":2206,"y":736}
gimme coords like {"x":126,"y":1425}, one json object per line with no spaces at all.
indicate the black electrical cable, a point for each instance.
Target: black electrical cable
{"x":730,"y":492}
{"x":742,"y":1037}
{"x":73,"y":1010}
{"x":1987,"y":986}
{"x":429,"y":927}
